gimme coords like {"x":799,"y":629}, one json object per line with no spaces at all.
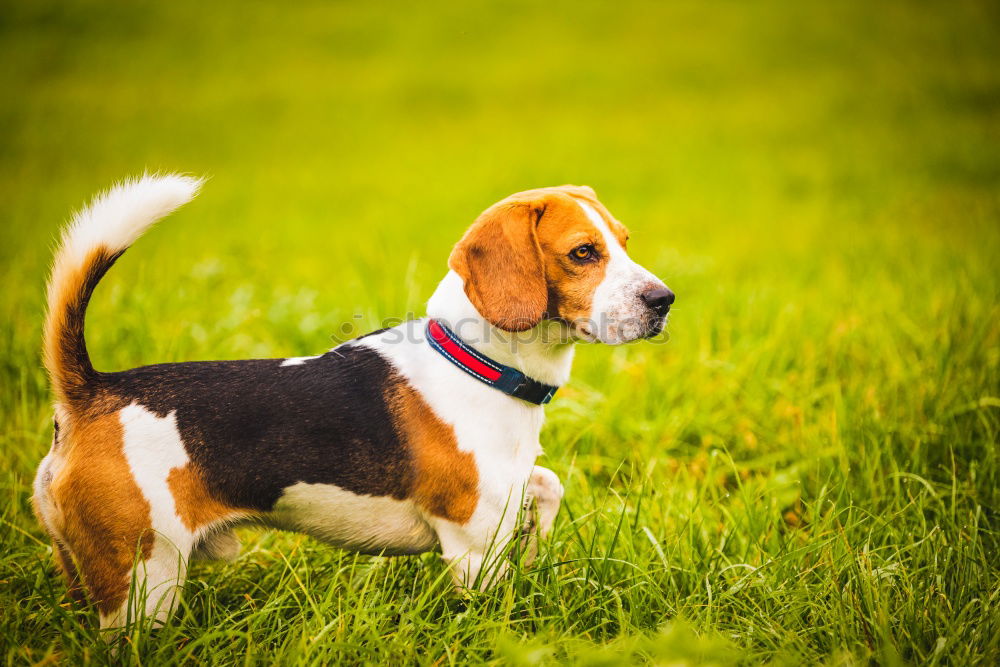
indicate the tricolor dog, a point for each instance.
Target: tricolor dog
{"x":407,"y":439}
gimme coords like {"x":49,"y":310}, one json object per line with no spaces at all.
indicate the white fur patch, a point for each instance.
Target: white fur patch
{"x":370,"y":524}
{"x":153,"y":447}
{"x":298,"y":361}
{"x":43,"y":501}
{"x":618,"y":313}
{"x":118,"y":217}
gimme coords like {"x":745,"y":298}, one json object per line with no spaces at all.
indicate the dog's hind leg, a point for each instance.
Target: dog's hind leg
{"x":106,"y":528}
{"x":107,"y":513}
{"x":65,"y":559}
{"x":50,"y":518}
{"x":153,"y":589}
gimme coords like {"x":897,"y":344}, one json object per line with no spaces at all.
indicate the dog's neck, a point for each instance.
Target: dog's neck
{"x":544,"y":352}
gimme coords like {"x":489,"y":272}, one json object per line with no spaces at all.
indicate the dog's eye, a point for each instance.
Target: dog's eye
{"x":582,"y":253}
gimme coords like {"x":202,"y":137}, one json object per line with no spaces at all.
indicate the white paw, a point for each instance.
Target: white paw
{"x":545,"y":485}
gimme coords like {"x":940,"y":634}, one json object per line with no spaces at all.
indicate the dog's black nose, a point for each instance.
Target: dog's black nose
{"x":659,"y":299}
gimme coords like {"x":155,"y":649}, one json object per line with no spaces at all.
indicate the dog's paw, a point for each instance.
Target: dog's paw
{"x":545,"y":486}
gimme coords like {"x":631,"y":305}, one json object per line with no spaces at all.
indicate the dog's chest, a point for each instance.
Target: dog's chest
{"x":369,"y":524}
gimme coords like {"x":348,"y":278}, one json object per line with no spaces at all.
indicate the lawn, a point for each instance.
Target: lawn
{"x":804,"y":469}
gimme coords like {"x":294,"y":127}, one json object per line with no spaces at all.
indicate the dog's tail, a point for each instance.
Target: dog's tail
{"x":90,"y":244}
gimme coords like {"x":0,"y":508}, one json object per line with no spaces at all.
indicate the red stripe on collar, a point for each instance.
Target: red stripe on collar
{"x":507,"y":379}
{"x":459,"y":354}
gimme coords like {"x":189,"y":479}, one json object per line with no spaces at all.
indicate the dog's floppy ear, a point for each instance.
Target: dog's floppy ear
{"x":501,"y":263}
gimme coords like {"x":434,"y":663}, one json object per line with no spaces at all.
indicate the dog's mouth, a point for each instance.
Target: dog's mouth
{"x":656,"y":327}
{"x":649,"y":326}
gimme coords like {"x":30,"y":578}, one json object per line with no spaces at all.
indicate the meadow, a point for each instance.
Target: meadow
{"x":803,"y":469}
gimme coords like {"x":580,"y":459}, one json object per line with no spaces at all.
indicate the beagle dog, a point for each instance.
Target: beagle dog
{"x":419,"y":436}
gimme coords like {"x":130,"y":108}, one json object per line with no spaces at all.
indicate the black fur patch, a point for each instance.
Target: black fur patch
{"x":256,"y":427}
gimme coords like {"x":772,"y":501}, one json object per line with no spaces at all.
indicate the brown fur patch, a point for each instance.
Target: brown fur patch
{"x":445,"y":480}
{"x":68,"y":567}
{"x":501,"y":263}
{"x":571,"y":285}
{"x":619,"y":230}
{"x":100,"y":510}
{"x":195,"y":505}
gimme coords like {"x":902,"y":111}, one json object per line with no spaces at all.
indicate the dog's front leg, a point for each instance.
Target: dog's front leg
{"x":477,"y":551}
{"x":475,"y":556}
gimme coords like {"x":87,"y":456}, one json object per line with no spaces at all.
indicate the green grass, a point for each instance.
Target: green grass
{"x":807,"y":471}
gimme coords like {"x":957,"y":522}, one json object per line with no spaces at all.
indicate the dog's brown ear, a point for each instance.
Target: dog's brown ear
{"x":501,"y":263}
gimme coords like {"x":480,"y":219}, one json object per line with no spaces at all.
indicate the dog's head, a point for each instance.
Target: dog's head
{"x":558,"y":254}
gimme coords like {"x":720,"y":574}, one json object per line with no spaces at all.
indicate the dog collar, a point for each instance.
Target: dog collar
{"x":507,"y":379}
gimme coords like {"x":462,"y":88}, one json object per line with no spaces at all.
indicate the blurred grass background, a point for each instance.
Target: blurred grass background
{"x":806,"y":472}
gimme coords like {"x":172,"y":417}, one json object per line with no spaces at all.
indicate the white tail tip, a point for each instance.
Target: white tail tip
{"x":117,"y":217}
